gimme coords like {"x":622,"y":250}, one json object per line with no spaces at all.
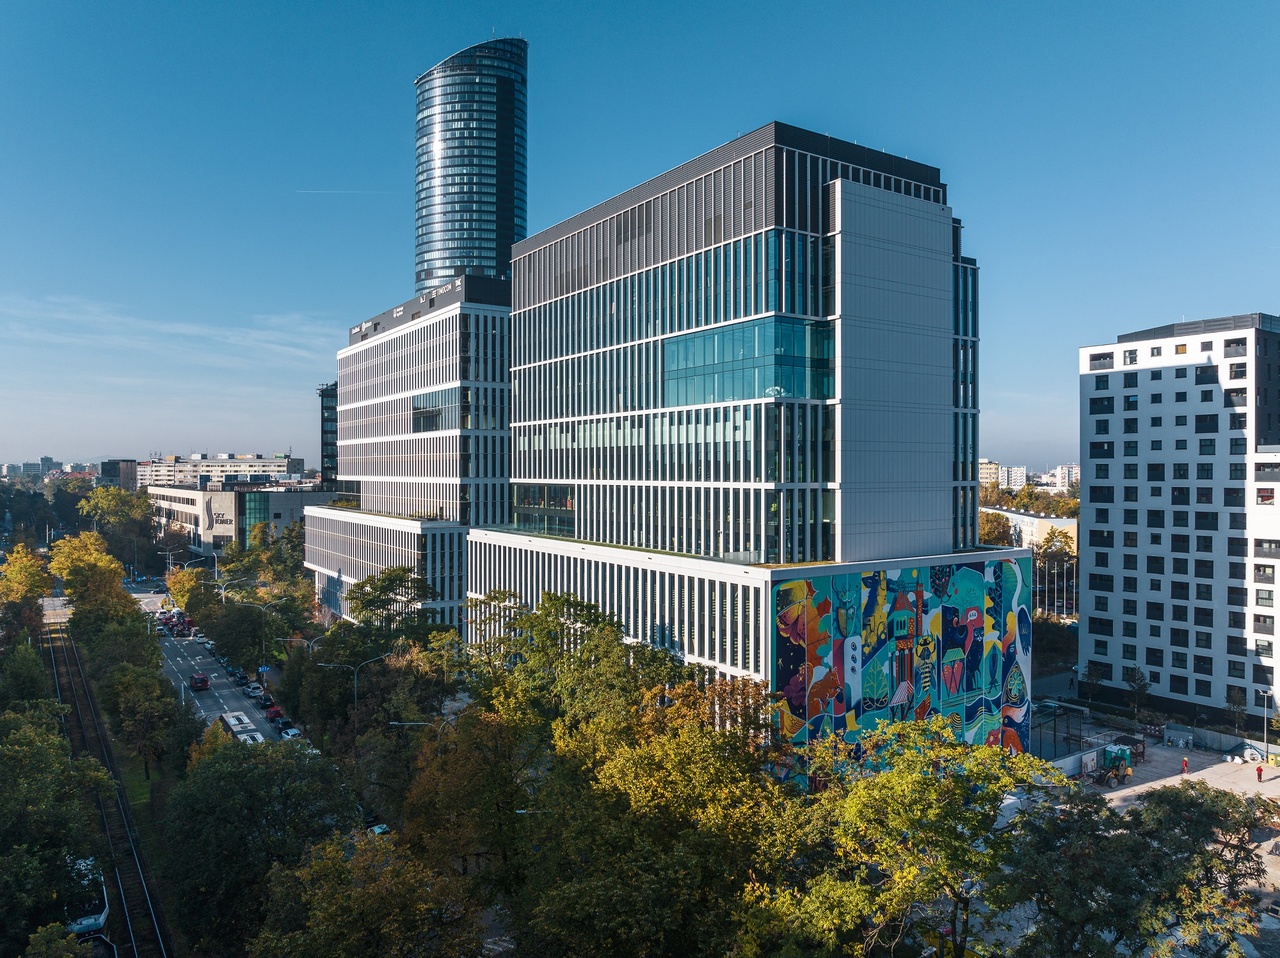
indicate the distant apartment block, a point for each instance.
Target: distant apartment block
{"x":1030,"y":528}
{"x":199,"y":469}
{"x":988,"y":472}
{"x":1180,"y":453}
{"x":1013,"y":477}
{"x":118,"y":473}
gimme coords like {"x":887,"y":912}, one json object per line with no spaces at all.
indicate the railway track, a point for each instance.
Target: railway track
{"x":138,"y":926}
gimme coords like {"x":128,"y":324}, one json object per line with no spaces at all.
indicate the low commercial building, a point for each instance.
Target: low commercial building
{"x":220,"y":514}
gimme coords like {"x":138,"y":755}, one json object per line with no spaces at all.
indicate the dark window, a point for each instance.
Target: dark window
{"x":1204,"y":688}
{"x":1155,"y":657}
{"x":1179,"y":590}
{"x":1202,"y":664}
{"x":1102,"y":538}
{"x":1180,"y":638}
{"x":1101,"y":382}
{"x":1100,"y":626}
{"x":1155,"y":565}
{"x":1207,"y":521}
{"x":1131,"y":447}
{"x":1102,"y":494}
{"x":1206,"y":375}
{"x":1155,"y":611}
{"x":1155,"y":472}
{"x":1233,"y":497}
{"x":1155,"y":518}
{"x":1099,"y":582}
{"x":1207,"y":423}
{"x":1101,"y":405}
{"x":1204,"y":617}
{"x":1178,"y":684}
{"x":1207,"y":447}
{"x":1102,"y":450}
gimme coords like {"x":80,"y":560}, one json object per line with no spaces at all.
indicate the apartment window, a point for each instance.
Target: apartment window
{"x":1130,"y":606}
{"x":1179,"y":565}
{"x":1155,"y":657}
{"x":1099,"y":626}
{"x":1178,"y":685}
{"x":1179,"y":590}
{"x":1157,"y":445}
{"x":1099,"y":646}
{"x":1235,"y":670}
{"x":1262,"y":699}
{"x":1180,"y":397}
{"x":1100,"y":603}
{"x":1102,"y":382}
{"x":1263,"y":647}
{"x":1130,"y":493}
{"x":1264,"y":624}
{"x":1102,"y":494}
{"x":1207,"y":447}
{"x":1206,"y":395}
{"x":1236,"y":645}
{"x":1130,"y":357}
{"x":1130,"y":403}
{"x":1264,"y":573}
{"x":1207,"y":423}
{"x":1102,"y":405}
{"x":1202,"y":664}
{"x":1155,"y":611}
{"x":1181,"y":543}
{"x":1181,"y":470}
{"x":1101,"y":470}
{"x":1130,"y":517}
{"x":1154,"y":586}
{"x":1233,"y":496}
{"x":1205,"y":346}
{"x":1204,"y":688}
{"x":1130,"y":540}
{"x":1236,"y":520}
{"x":1179,"y":444}
{"x":1179,"y":420}
{"x":1101,"y":669}
{"x":1203,"y":617}
{"x":1238,"y":595}
{"x":1235,"y":397}
{"x":1263,"y":674}
{"x":1238,"y":420}
{"x":1155,"y":350}
{"x":1099,"y":582}
{"x":1131,"y":447}
{"x":1237,"y":446}
{"x":1204,"y":592}
{"x":1204,"y":568}
{"x":1101,"y":559}
{"x":1207,"y":521}
{"x":1155,"y":565}
{"x":1102,"y":450}
{"x":1129,"y":652}
{"x":1155,"y":518}
{"x":1102,"y":538}
{"x":1206,"y":375}
{"x":1234,"y":347}
{"x":1238,"y":371}
{"x":1204,"y":495}
{"x":1129,"y":630}
{"x":1266,"y":548}
{"x":1130,"y":584}
{"x":1131,"y":425}
{"x":1101,"y":427}
{"x":1204,"y":543}
{"x":1235,"y":620}
{"x":1180,"y":349}
{"x":1178,"y":660}
{"x":1156,"y":374}
{"x":1102,"y":516}
{"x":1131,"y":470}
{"x":1265,"y":597}
{"x":1180,"y":496}
{"x":1204,"y":470}
{"x":1237,"y":470}
{"x":1180,"y":638}
{"x":1237,"y":546}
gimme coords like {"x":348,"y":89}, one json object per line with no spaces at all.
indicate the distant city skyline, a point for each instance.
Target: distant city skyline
{"x":200,"y":201}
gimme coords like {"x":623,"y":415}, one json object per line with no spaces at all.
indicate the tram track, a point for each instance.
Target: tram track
{"x":138,"y":919}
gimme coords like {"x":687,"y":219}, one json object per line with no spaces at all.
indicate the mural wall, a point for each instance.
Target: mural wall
{"x":906,"y":644}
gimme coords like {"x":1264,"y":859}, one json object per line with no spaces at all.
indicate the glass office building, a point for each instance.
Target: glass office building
{"x":471,"y":176}
{"x":744,"y":421}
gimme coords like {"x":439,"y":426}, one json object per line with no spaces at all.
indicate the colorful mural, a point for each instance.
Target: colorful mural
{"x":907,"y":643}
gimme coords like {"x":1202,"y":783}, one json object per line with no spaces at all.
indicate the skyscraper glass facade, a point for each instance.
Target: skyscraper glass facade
{"x":471,"y":174}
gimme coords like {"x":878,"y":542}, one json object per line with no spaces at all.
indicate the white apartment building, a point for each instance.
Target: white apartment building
{"x":1180,"y":460}
{"x":988,"y":472}
{"x":1013,"y":477}
{"x":199,"y":469}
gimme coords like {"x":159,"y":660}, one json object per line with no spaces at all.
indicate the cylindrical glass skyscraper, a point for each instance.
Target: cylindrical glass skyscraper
{"x":471,"y":174}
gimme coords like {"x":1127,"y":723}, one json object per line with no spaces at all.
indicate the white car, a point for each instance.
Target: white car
{"x":253,"y":690}
{"x":289,"y":734}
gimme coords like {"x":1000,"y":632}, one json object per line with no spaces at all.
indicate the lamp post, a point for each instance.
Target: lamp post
{"x":438,"y":726}
{"x":355,"y":680}
{"x":1266,"y":722}
{"x":309,"y":643}
{"x":262,"y":662}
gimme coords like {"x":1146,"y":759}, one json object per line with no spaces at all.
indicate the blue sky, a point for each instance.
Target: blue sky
{"x":169,"y":283}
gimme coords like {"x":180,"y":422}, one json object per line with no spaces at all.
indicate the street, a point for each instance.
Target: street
{"x":182,"y":657}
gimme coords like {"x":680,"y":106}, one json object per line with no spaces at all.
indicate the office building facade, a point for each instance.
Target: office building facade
{"x":1180,"y":462}
{"x":422,"y":400}
{"x":471,"y":162}
{"x":745,"y":421}
{"x":328,"y":394}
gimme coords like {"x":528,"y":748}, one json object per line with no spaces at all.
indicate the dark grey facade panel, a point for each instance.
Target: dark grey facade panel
{"x":770,"y":135}
{"x":1196,"y":327}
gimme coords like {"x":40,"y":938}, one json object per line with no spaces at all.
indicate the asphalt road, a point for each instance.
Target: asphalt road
{"x":182,"y":657}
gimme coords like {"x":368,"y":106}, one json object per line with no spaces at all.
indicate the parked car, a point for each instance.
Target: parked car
{"x":242,"y":681}
{"x":199,"y":682}
{"x":274,"y":712}
{"x":289,"y":734}
{"x":266,"y":702}
{"x":283,"y":724}
{"x":253,"y":690}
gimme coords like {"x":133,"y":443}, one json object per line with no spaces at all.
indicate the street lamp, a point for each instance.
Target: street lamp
{"x":263,"y":609}
{"x":439,"y":727}
{"x":309,"y":643}
{"x":355,"y":679}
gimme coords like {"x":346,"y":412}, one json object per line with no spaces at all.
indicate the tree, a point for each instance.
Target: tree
{"x":116,"y":509}
{"x":1091,"y":680}
{"x":994,"y":529}
{"x":46,"y":822}
{"x":85,"y":567}
{"x":1237,"y":706}
{"x":22,"y":677}
{"x":272,"y":803}
{"x":1139,"y":686}
{"x":1057,"y":544}
{"x":1080,"y":872}
{"x":387,"y":598}
{"x":191,"y":590}
{"x":142,"y":703}
{"x":363,"y":896}
{"x":23,"y":576}
{"x":54,"y":941}
{"x":915,"y":836}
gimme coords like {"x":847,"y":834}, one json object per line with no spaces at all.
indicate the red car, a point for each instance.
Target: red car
{"x":274,"y":713}
{"x":199,"y":682}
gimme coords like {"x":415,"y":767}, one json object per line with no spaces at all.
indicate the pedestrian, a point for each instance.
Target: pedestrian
{"x":1184,"y":765}
{"x":1071,"y":684}
{"x":1259,"y":773}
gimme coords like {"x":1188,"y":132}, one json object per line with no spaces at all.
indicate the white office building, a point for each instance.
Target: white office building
{"x":423,"y":394}
{"x":745,"y":422}
{"x":1180,"y":460}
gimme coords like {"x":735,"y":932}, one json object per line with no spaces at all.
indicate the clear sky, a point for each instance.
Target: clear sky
{"x":196,"y":199}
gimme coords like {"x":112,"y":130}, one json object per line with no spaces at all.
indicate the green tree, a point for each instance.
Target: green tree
{"x":1139,"y":686}
{"x":1081,"y":874}
{"x":1058,"y":544}
{"x":994,"y":529}
{"x":389,"y":598}
{"x":22,"y":677}
{"x":46,"y":822}
{"x":192,"y":590}
{"x":914,"y":840}
{"x":54,"y":941}
{"x":362,"y":896}
{"x":241,"y":808}
{"x":142,"y":704}
{"x":116,"y":509}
